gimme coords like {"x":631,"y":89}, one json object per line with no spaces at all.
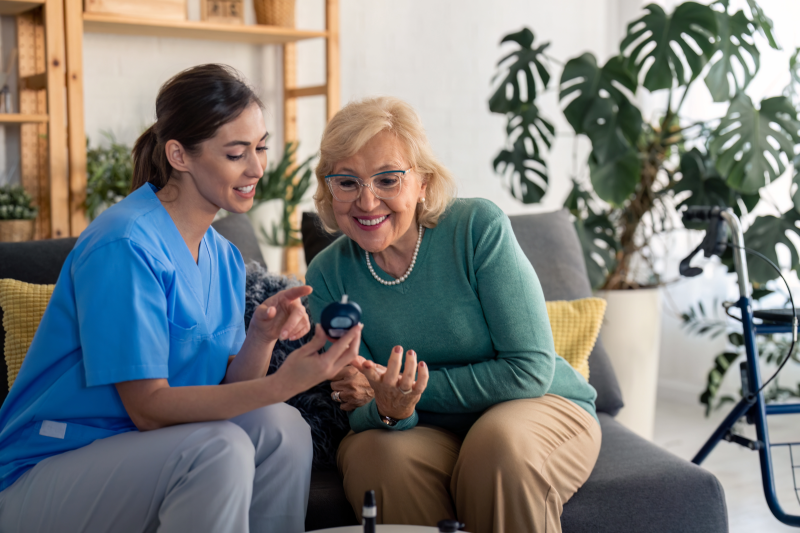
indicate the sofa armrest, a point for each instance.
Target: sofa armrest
{"x":637,"y":486}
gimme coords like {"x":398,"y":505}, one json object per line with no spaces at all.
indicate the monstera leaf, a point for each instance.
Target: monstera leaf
{"x":592,"y":86}
{"x":763,"y":235}
{"x":707,"y":187}
{"x":525,"y":60}
{"x":763,"y":23}
{"x":529,"y":124}
{"x":615,"y":180}
{"x":596,"y":234}
{"x":601,"y":111}
{"x":742,"y":142}
{"x":656,"y":35}
{"x":735,"y":42}
{"x":527,"y":171}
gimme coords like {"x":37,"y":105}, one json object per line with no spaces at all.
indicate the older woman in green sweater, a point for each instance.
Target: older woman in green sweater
{"x":484,"y":422}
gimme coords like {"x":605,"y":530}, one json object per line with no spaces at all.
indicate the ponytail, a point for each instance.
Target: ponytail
{"x":190,"y":108}
{"x":150,"y":163}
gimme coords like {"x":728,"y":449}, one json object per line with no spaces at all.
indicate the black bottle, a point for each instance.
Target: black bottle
{"x":369,"y":512}
{"x":449,"y":526}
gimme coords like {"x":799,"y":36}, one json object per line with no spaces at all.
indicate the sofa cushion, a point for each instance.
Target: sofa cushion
{"x":638,"y":487}
{"x":575,"y":325}
{"x":23,"y":306}
{"x":238,"y":229}
{"x":32,"y":262}
{"x":327,"y":503}
{"x":315,"y":238}
{"x":551,"y":244}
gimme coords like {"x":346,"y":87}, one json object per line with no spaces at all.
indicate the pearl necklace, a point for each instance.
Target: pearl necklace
{"x":402,"y":278}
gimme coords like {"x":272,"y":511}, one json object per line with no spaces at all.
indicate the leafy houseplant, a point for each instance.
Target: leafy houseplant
{"x":640,"y":172}
{"x":109,"y":171}
{"x":17,"y":215}
{"x":15,"y":204}
{"x":281,"y":182}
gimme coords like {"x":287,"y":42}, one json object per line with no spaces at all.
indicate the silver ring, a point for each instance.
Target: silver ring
{"x":335,"y":396}
{"x":405,"y":391}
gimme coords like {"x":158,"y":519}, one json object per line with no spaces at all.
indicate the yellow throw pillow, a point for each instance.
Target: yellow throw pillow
{"x":23,"y":306}
{"x":575,"y":326}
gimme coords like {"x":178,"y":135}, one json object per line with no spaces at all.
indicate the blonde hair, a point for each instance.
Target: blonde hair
{"x":353,"y":127}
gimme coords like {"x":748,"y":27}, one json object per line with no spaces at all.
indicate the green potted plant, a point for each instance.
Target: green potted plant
{"x":17,"y":215}
{"x":109,"y":171}
{"x":641,"y":172}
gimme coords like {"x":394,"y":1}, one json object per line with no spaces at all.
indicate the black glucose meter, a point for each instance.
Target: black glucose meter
{"x":338,"y":317}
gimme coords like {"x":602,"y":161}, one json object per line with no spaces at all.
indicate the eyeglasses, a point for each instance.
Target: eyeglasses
{"x":384,"y":185}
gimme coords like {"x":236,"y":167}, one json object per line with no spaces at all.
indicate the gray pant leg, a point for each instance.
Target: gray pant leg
{"x":191,"y":477}
{"x":283,"y":454}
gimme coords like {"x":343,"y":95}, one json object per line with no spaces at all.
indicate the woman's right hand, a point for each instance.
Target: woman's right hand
{"x":396,"y":394}
{"x":305,"y":367}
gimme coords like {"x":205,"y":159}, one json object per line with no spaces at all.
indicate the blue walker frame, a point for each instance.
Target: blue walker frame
{"x":753,"y":405}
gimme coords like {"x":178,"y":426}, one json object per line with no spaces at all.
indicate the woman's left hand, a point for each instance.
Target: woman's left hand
{"x":352,"y":387}
{"x":396,"y":394}
{"x":281,"y":316}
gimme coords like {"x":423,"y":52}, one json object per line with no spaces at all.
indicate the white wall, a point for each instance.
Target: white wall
{"x":441,"y":56}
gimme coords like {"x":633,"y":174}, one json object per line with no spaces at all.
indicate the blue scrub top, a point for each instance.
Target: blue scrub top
{"x":130,"y":303}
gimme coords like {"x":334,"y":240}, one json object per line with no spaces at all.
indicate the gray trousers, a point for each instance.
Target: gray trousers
{"x":248,"y":474}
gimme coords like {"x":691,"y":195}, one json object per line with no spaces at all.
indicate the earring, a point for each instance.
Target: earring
{"x":422,"y":200}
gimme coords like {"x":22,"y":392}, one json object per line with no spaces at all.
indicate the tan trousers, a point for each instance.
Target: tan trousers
{"x":517,"y":466}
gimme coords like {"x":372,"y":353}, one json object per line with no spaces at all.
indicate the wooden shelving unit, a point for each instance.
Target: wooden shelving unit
{"x":15,"y":7}
{"x":19,"y":118}
{"x":190,"y":29}
{"x":42,"y":113}
{"x":76,"y":22}
{"x":52,"y":134}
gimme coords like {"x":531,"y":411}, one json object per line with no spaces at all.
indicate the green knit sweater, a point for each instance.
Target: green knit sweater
{"x":472,"y":309}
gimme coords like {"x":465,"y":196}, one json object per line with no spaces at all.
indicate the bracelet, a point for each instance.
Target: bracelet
{"x":388,"y":420}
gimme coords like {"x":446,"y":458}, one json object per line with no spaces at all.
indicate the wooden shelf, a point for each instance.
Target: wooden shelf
{"x":15,"y":7}
{"x":190,"y":29}
{"x":19,"y":118}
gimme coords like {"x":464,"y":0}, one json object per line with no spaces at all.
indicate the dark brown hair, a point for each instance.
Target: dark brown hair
{"x":190,"y":108}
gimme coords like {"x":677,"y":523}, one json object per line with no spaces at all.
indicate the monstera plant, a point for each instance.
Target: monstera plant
{"x":641,"y":171}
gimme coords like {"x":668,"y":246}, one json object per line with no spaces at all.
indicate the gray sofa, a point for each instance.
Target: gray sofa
{"x":635,"y":486}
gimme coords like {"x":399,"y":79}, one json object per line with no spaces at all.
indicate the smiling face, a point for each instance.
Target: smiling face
{"x":377,"y":224}
{"x":224,"y":171}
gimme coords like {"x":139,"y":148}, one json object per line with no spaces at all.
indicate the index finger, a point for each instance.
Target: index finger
{"x":296,"y":292}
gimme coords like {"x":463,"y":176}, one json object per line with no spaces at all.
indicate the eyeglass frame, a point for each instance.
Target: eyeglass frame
{"x":363,"y":184}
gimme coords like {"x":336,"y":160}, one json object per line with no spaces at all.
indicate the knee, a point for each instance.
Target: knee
{"x":494,"y":450}
{"x":223,"y":452}
{"x":281,"y":429}
{"x":376,"y":455}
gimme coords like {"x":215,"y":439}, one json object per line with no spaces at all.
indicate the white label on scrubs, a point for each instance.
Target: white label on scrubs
{"x":57,"y":430}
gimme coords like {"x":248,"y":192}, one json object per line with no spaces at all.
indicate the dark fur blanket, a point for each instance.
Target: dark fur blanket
{"x":329,"y":424}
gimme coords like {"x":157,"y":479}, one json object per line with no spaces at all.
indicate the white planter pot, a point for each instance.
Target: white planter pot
{"x":631,"y":334}
{"x":264,"y":216}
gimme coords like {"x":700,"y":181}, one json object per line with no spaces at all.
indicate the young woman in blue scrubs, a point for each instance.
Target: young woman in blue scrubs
{"x":142,"y":404}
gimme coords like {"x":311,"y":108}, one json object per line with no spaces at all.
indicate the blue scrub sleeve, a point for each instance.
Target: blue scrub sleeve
{"x":120,"y":291}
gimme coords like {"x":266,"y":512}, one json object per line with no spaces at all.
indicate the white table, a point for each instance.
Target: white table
{"x":382,"y":528}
